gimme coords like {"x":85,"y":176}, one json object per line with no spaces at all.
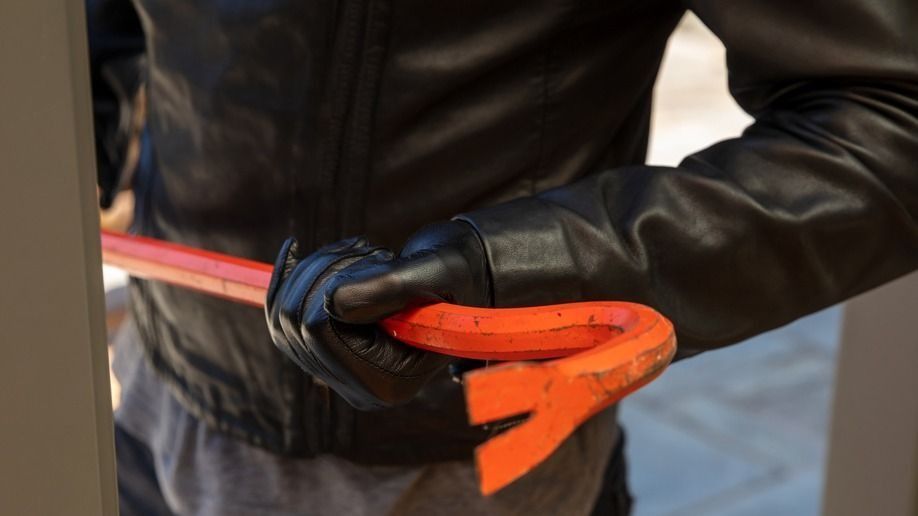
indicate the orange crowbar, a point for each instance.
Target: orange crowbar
{"x":601,"y":351}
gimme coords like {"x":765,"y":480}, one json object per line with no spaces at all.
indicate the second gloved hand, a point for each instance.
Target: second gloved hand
{"x":322,"y":308}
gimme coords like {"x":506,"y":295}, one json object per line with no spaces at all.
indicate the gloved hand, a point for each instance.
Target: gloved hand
{"x":322,"y":309}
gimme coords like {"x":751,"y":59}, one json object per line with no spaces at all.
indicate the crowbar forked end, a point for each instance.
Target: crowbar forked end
{"x":608,"y":350}
{"x":559,"y":395}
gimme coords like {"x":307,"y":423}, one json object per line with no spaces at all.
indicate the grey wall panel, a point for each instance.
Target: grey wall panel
{"x":56,"y":453}
{"x":873,"y":455}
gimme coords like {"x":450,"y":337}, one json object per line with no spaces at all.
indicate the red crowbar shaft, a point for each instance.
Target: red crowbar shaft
{"x":602,"y":351}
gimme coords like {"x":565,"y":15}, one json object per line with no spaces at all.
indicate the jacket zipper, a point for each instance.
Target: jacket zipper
{"x":344,"y":71}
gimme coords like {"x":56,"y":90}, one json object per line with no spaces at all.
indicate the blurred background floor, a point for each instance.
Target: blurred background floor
{"x":740,"y":431}
{"x":736,"y":432}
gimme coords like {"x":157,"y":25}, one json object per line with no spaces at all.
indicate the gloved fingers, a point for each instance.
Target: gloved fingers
{"x":295,"y":291}
{"x":374,"y":289}
{"x":341,"y":245}
{"x":381,"y":371}
{"x":283,"y":266}
{"x":294,"y":276}
{"x":359,"y":361}
{"x":289,"y":256}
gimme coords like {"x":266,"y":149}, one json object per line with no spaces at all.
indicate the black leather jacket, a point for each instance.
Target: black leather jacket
{"x":332,"y":118}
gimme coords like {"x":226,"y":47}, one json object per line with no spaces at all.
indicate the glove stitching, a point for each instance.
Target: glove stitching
{"x":351,"y":351}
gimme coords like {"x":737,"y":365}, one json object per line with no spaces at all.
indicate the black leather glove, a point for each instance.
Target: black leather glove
{"x":322,"y":309}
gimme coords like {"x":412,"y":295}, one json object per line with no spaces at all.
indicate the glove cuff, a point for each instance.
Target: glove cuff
{"x":525,"y":245}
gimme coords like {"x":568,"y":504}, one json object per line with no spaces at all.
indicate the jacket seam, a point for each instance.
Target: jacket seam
{"x":545,"y":63}
{"x":358,"y":143}
{"x":549,"y":61}
{"x":342,"y":89}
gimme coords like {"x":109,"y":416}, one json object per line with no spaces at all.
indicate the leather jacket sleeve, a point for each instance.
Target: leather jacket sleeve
{"x":815,"y":202}
{"x":116,"y":47}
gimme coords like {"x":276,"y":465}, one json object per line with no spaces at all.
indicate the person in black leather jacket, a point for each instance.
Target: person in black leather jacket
{"x":508,"y":138}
